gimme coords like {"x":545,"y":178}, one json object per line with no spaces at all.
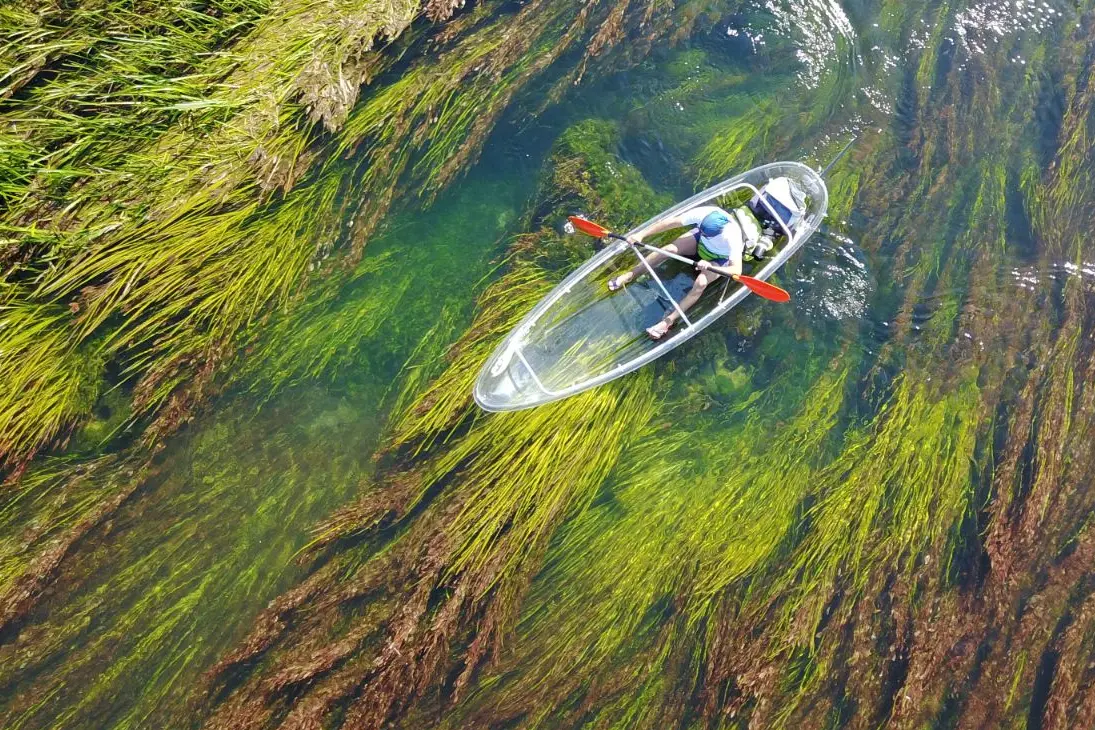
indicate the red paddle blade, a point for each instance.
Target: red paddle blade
{"x":588,"y":227}
{"x":764,"y":289}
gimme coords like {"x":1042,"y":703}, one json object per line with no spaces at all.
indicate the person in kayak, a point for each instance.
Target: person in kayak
{"x":717,"y":239}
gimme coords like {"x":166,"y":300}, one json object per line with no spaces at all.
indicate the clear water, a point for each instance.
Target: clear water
{"x":147,"y":603}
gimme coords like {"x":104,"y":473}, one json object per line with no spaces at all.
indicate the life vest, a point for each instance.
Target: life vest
{"x":714,"y":222}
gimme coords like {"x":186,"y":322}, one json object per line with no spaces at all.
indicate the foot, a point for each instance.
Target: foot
{"x":658,"y":330}
{"x":616,"y":282}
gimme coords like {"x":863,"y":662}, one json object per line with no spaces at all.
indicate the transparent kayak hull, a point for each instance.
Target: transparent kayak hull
{"x":581,"y":335}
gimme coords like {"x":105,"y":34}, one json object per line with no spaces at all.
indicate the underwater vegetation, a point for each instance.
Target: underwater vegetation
{"x":473,"y":556}
{"x":720,"y":544}
{"x":793,"y":522}
{"x":235,"y":191}
{"x":163,"y":564}
{"x":141,"y":268}
{"x":887,"y":558}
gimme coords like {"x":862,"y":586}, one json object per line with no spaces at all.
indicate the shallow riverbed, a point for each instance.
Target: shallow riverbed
{"x":869,"y":506}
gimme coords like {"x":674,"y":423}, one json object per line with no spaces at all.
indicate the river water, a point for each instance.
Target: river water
{"x":867,"y":506}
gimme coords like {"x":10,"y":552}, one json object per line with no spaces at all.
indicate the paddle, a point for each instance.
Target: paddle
{"x":758,"y":287}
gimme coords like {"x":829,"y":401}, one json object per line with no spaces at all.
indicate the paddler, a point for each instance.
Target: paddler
{"x":717,"y":240}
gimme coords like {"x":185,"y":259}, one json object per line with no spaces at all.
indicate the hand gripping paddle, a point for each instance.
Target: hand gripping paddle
{"x":758,"y":287}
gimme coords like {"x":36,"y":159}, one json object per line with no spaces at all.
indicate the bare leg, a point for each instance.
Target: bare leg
{"x":658,"y":330}
{"x":693,"y":295}
{"x":684,"y":245}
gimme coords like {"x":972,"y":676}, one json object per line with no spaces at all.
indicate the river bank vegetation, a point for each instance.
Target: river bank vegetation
{"x":239,"y":492}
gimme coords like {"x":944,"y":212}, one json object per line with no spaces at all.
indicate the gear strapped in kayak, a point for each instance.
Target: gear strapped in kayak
{"x":581,"y":335}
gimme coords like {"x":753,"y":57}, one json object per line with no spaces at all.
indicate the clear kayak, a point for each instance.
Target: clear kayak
{"x":581,"y":335}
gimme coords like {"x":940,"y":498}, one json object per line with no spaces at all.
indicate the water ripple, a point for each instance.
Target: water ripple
{"x":1033,"y":278}
{"x":814,"y":26}
{"x":986,"y":24}
{"x":835,"y":282}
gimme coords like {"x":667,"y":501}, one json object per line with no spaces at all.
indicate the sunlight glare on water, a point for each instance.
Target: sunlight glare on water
{"x":818,"y":27}
{"x":983,"y":24}
{"x":1034,"y":278}
{"x":835,"y":283}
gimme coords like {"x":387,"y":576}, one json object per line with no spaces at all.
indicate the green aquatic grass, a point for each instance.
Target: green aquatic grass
{"x":60,"y":493}
{"x":199,"y":207}
{"x":695,"y":511}
{"x":742,"y":145}
{"x":108,"y":93}
{"x":348,"y":329}
{"x":192,"y":233}
{"x":165,"y":297}
{"x":69,"y":501}
{"x":901,"y":492}
{"x":48,"y":383}
{"x":888,"y":506}
{"x":781,"y":540}
{"x":185,"y":289}
{"x":448,"y":105}
{"x":447,"y":401}
{"x":694,"y":93}
{"x":584,"y":171}
{"x":209,"y":186}
{"x":738,"y":546}
{"x":513,"y":503}
{"x":311,"y":405}
{"x":322,"y":336}
{"x":495,"y":494}
{"x":165,"y":562}
{"x":848,"y":179}
{"x":504,"y":487}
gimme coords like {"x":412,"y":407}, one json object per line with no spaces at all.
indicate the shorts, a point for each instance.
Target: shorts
{"x":703,"y":253}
